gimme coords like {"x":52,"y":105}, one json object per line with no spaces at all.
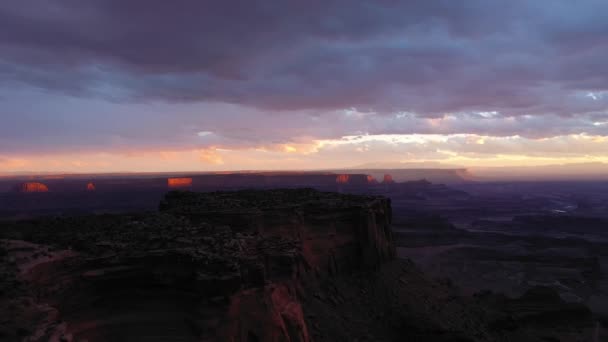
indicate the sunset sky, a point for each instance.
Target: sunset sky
{"x":157,"y":85}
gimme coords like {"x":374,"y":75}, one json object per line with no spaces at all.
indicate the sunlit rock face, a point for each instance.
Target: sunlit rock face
{"x":342,"y":179}
{"x":32,"y":187}
{"x":388,"y":179}
{"x":90,"y":186}
{"x":175,"y":183}
{"x":371,"y":180}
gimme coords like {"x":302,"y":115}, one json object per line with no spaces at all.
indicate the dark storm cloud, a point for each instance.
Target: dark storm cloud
{"x":430,"y":57}
{"x":115,"y":75}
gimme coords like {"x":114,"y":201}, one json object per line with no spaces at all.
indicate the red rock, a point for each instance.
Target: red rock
{"x":234,"y":265}
{"x":90,"y":186}
{"x":388,"y":179}
{"x":342,"y":179}
{"x":271,"y":313}
{"x":174,"y":183}
{"x":32,"y":187}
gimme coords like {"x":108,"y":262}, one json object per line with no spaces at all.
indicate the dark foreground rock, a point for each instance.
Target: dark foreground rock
{"x":279,"y":265}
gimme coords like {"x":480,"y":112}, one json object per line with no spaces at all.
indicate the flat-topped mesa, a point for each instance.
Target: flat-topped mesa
{"x":342,"y":179}
{"x":176,"y":183}
{"x":337,"y":232}
{"x":29,"y":187}
{"x":90,"y":186}
{"x":352,"y":179}
{"x":233,"y":265}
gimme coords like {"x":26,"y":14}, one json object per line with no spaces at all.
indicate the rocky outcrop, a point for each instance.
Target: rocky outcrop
{"x":446,"y":176}
{"x":342,"y":179}
{"x":226,"y":266}
{"x":29,"y":187}
{"x":281,"y":265}
{"x":335,"y":231}
{"x":175,"y":183}
{"x":354,"y":180}
{"x":90,"y":186}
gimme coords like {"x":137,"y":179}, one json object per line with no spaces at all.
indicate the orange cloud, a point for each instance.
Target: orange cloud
{"x":168,"y":155}
{"x":210,"y":156}
{"x":13,"y":163}
{"x":459,"y":149}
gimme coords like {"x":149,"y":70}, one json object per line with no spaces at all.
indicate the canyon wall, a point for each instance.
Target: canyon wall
{"x":277,"y":265}
{"x":225,"y":266}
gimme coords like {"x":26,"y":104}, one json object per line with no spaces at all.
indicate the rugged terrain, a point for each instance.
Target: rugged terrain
{"x":511,"y":237}
{"x":275,"y":265}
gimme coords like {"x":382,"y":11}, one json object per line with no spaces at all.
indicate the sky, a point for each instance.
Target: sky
{"x":202,"y":85}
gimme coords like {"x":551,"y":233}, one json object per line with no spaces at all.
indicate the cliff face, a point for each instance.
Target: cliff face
{"x":335,"y":232}
{"x":387,"y":179}
{"x":342,"y":179}
{"x":215,"y":266}
{"x":447,"y":176}
{"x":174,"y":183}
{"x":31,"y":187}
{"x":280,"y":265}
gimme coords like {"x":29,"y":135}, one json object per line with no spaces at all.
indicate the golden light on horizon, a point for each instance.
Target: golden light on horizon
{"x":290,"y":149}
{"x":456,"y":150}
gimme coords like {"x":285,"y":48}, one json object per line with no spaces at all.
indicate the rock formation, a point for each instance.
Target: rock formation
{"x":280,"y":265}
{"x":342,"y":179}
{"x":445,"y":176}
{"x":353,"y":180}
{"x":174,"y":183}
{"x":388,"y":179}
{"x":90,"y":186}
{"x":232,"y":266}
{"x":357,"y":227}
{"x":28,"y":187}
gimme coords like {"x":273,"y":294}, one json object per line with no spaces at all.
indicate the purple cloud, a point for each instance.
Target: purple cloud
{"x":91,"y":75}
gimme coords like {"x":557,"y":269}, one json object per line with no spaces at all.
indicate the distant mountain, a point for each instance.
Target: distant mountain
{"x":433,"y":175}
{"x":435,"y":172}
{"x":574,"y":171}
{"x":402,"y":165}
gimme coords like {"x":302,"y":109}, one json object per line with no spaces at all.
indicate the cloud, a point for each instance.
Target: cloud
{"x":12,"y":164}
{"x":425,"y":57}
{"x":210,"y":156}
{"x":456,"y":149}
{"x":279,"y":76}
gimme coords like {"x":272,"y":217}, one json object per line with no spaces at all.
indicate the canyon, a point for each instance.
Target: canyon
{"x":251,"y":265}
{"x":227,"y":266}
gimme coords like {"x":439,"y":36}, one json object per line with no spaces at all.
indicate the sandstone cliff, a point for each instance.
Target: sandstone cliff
{"x":215,"y":266}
